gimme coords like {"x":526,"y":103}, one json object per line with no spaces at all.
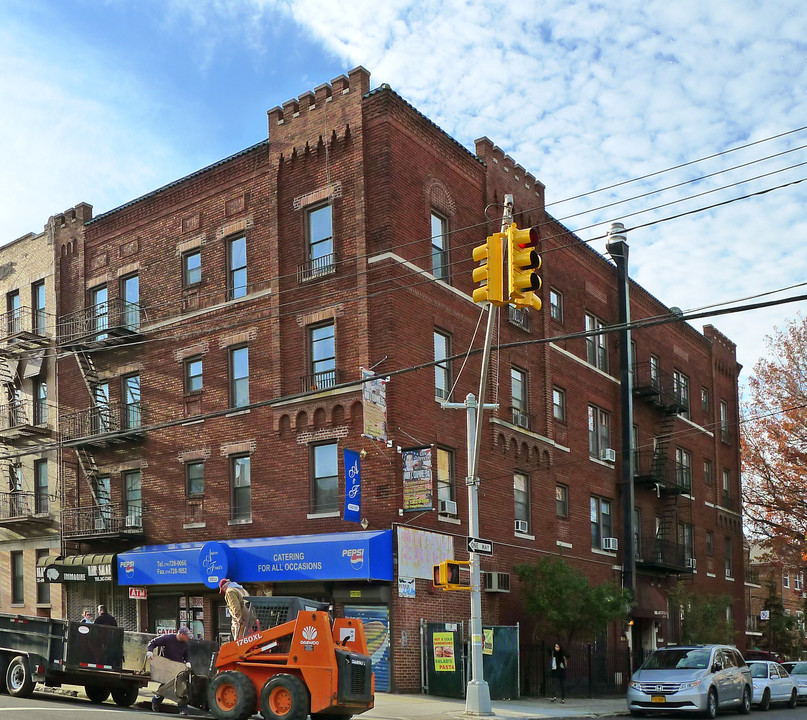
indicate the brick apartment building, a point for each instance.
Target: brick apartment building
{"x":208,"y":336}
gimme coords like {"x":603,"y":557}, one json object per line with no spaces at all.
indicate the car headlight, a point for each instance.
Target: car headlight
{"x":689,"y":685}
{"x":634,"y":685}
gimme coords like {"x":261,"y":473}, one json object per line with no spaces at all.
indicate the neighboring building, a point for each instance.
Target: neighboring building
{"x":206,"y":333}
{"x":29,"y":502}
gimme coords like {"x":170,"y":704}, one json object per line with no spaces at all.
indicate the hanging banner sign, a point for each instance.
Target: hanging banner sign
{"x":352,"y":486}
{"x":374,"y":402}
{"x":417,"y":479}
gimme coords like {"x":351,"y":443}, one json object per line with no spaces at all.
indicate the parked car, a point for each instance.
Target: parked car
{"x":691,"y":678}
{"x":761,"y":655}
{"x":798,"y":671}
{"x":772,"y":683}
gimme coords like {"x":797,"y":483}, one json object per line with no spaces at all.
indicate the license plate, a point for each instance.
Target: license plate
{"x":658,"y":699}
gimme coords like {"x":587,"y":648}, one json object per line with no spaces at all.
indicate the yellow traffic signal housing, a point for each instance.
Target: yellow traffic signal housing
{"x":491,"y":271}
{"x":522,"y":261}
{"x":447,"y":575}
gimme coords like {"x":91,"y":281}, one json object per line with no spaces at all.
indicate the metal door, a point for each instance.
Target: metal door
{"x":443,"y":657}
{"x":376,"y":628}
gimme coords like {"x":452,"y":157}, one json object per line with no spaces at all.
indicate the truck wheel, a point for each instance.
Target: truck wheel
{"x":285,"y":697}
{"x":96,"y":693}
{"x":125,"y":696}
{"x":231,"y":696}
{"x":18,"y":678}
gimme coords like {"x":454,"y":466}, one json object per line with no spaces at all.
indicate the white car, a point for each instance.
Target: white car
{"x":798,"y":671}
{"x":772,"y":683}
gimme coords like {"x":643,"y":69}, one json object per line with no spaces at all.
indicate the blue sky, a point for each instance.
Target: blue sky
{"x":107,"y":100}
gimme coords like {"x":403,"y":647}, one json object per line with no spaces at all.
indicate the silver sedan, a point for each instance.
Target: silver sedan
{"x":772,"y":683}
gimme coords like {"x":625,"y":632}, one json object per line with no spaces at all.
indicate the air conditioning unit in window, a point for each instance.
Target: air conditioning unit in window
{"x":496,"y":581}
{"x":610,"y":544}
{"x":691,"y":564}
{"x":522,"y":526}
{"x":609,"y":455}
{"x":448,"y":507}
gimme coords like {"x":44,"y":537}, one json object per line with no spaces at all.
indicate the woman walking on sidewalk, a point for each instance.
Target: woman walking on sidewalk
{"x":559,"y":672}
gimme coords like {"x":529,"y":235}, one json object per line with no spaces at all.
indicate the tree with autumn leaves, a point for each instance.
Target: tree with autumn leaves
{"x":774,"y":444}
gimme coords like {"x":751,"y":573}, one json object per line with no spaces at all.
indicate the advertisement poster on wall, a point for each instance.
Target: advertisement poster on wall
{"x":374,"y":401}
{"x":444,"y":651}
{"x":417,"y":479}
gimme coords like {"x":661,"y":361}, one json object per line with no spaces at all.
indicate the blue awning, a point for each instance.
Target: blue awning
{"x":293,"y":558}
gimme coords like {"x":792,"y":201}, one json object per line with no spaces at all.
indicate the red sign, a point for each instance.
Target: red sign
{"x":137,"y":593}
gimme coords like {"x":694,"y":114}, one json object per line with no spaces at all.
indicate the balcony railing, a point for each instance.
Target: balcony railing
{"x":23,"y":327}
{"x":658,"y":388}
{"x":728,"y":502}
{"x":320,"y":380}
{"x":109,"y":322}
{"x":317,"y":267}
{"x":651,"y":468}
{"x":752,"y":576}
{"x":101,"y":420}
{"x":23,"y":418}
{"x":661,"y":554}
{"x":104,"y":520}
{"x":18,"y":505}
{"x":519,"y":317}
{"x":520,"y":419}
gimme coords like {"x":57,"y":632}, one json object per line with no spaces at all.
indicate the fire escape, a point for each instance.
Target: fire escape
{"x":668,"y":550}
{"x":90,"y":334}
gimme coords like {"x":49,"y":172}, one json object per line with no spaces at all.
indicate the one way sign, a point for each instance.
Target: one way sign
{"x":479,"y":546}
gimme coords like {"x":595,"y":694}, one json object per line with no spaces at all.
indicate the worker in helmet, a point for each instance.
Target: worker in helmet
{"x":234,"y":596}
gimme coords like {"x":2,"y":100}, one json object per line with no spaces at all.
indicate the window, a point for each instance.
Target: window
{"x":131,"y":402}
{"x":439,"y":227}
{"x":40,"y":402}
{"x":99,"y":303}
{"x":319,"y":230}
{"x":13,"y":307}
{"x":681,"y":392}
{"x":445,"y":479}
{"x":705,"y":401}
{"x":683,"y":469}
{"x":634,"y":369}
{"x":555,"y":305}
{"x":596,"y":345}
{"x":442,"y":368}
{"x":707,"y":472}
{"x":236,"y":268}
{"x":101,"y":397}
{"x":42,"y":589}
{"x":725,"y":434}
{"x":786,"y":580}
{"x":726,"y":486}
{"x":798,"y":577}
{"x":195,"y":478}
{"x":729,"y":558}
{"x":655,"y":374}
{"x":193,"y":376}
{"x":130,"y":294}
{"x":325,"y":481}
{"x":41,"y":504}
{"x":710,"y":543}
{"x":601,"y":526}
{"x":559,"y":404}
{"x":103,"y":497}
{"x":322,"y":347}
{"x":686,"y":541}
{"x":521,"y":494}
{"x":636,"y":456}
{"x":637,"y":532}
{"x":17,"y":578}
{"x":562,"y":501}
{"x":599,"y":431}
{"x":241,"y":488}
{"x":134,"y":499}
{"x":192,"y":268}
{"x":239,"y":377}
{"x":518,"y":393}
{"x":39,"y":318}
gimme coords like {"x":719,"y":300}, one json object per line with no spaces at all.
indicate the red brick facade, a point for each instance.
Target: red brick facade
{"x":383,"y":168}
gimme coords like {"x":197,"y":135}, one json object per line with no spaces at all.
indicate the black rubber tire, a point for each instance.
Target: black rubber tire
{"x":285,"y":697}
{"x":231,"y":696}
{"x":711,"y":704}
{"x":96,"y":693}
{"x":794,"y":699}
{"x":745,"y":705}
{"x":19,"y":682}
{"x":125,"y":696}
{"x":3,"y":669}
{"x":765,"y":703}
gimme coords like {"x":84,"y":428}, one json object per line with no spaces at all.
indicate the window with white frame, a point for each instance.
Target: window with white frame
{"x":599,"y":432}
{"x":725,"y":432}
{"x":786,"y":579}
{"x":601,"y":522}
{"x":562,"y":500}
{"x":559,"y":404}
{"x":683,"y":469}
{"x":322,"y":352}
{"x":686,"y":540}
{"x":240,"y":488}
{"x":681,"y":392}
{"x":707,"y":472}
{"x":798,"y":578}
{"x":655,"y":372}
{"x":596,"y":345}
{"x":729,"y":556}
{"x":446,"y":498}
{"x":439,"y":229}
{"x":442,"y":367}
{"x":555,"y":305}
{"x":521,"y":496}
{"x":236,"y":268}
{"x":518,"y":393}
{"x":324,"y":478}
{"x":705,"y":401}
{"x":726,"y":485}
{"x":239,"y":377}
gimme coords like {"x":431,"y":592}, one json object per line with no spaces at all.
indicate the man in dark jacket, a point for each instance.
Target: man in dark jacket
{"x":174,"y":647}
{"x":104,"y":618}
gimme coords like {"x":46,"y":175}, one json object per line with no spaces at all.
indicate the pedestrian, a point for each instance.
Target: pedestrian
{"x":234,"y":596}
{"x":104,"y":618}
{"x":559,"y":662}
{"x":174,"y":647}
{"x":86,"y":617}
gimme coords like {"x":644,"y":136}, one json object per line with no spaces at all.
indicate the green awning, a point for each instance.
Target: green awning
{"x":75,"y":568}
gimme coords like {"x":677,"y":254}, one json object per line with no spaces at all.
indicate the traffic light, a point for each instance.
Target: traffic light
{"x":491,"y":271}
{"x":522,"y":262}
{"x":447,"y":575}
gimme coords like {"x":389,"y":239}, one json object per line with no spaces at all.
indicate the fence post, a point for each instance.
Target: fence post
{"x":590,"y":672}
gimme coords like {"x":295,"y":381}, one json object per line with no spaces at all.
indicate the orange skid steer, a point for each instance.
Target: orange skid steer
{"x":310,"y":665}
